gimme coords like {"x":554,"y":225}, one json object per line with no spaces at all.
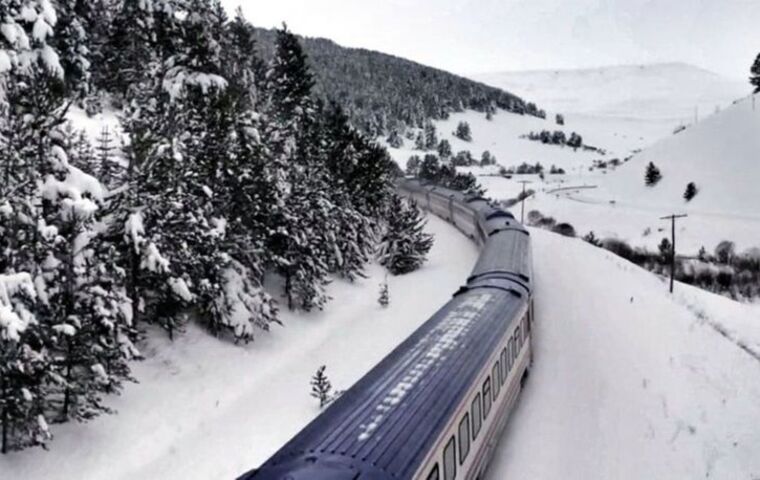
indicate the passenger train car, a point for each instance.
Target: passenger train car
{"x":433,"y":409}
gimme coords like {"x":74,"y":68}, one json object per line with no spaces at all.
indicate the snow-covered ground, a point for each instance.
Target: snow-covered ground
{"x":719,"y":154}
{"x":630,"y":382}
{"x":208,"y":409}
{"x":665,"y":91}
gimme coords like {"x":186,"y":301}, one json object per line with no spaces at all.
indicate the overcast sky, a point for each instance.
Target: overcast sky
{"x":476,"y":36}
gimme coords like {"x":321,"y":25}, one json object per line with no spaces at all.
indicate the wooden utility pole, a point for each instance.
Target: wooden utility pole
{"x":672,"y":219}
{"x":522,"y":202}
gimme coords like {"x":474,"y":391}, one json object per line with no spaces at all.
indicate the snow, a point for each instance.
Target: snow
{"x":14,"y":318}
{"x":207,"y":409}
{"x":718,"y":154}
{"x":180,"y":288}
{"x":5,"y":62}
{"x":628,"y":382}
{"x":665,"y":91}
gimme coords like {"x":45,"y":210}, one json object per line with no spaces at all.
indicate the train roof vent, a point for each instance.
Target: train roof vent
{"x":312,"y":468}
{"x":499,"y":213}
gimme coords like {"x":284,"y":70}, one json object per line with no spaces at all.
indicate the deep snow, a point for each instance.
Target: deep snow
{"x":629,"y":382}
{"x":207,"y":409}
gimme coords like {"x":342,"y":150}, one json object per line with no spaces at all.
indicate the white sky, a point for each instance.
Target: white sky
{"x":475,"y":36}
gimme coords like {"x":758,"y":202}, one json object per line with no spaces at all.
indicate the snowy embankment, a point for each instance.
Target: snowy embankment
{"x":207,"y":409}
{"x":629,"y":382}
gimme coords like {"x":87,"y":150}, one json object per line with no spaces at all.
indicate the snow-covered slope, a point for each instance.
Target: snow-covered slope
{"x":205,"y":409}
{"x":669,"y":91}
{"x":629,"y":382}
{"x":721,"y":155}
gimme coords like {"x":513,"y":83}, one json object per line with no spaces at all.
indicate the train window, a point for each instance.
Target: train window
{"x":495,"y":376}
{"x":504,"y":366}
{"x":449,"y":461}
{"x":464,"y":438}
{"x":519,"y":337}
{"x":510,"y":354}
{"x":434,"y":473}
{"x":477,"y":418}
{"x":486,"y":397}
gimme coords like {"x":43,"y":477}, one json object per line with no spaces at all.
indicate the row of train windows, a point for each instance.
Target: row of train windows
{"x":480,"y":408}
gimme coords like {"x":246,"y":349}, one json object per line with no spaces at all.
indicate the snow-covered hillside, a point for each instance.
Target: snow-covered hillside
{"x":205,"y":409}
{"x":669,"y":91}
{"x":721,"y":155}
{"x":629,"y":382}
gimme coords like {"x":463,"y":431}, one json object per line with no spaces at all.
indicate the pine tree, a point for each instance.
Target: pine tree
{"x":394,"y":140}
{"x":575,"y":141}
{"x":419,"y":142}
{"x":487,"y":159}
{"x":463,"y":132}
{"x":560,"y":119}
{"x":666,"y":250}
{"x":690,"y":192}
{"x":32,"y":112}
{"x":591,"y":238}
{"x":321,"y":387}
{"x":431,"y":136}
{"x":404,"y":245}
{"x":755,"y":74}
{"x":384,"y":298}
{"x":444,"y":149}
{"x":413,"y":165}
{"x":653,"y":175}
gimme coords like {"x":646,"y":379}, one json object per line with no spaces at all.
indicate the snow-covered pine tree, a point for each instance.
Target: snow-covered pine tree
{"x":405,"y":244}
{"x":110,"y":170}
{"x":487,"y":159}
{"x":419,"y":142}
{"x":463,"y":132}
{"x":84,"y":298}
{"x":444,"y":149}
{"x":430,"y":168}
{"x":24,"y":365}
{"x":73,"y":43}
{"x":299,"y":212}
{"x":395,"y":140}
{"x":129,"y":48}
{"x":652,"y":175}
{"x":575,"y":141}
{"x":431,"y":136}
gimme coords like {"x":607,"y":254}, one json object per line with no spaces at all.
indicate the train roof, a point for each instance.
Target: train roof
{"x":386,"y":421}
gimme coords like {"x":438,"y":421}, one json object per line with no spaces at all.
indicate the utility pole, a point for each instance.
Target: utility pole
{"x":672,"y":219}
{"x":522,"y":202}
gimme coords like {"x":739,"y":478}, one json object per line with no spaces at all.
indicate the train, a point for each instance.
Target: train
{"x":435,"y":407}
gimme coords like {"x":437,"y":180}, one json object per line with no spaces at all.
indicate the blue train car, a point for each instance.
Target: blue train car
{"x":433,"y":408}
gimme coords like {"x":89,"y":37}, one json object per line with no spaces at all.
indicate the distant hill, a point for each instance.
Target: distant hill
{"x":665,"y":91}
{"x":381,"y":92}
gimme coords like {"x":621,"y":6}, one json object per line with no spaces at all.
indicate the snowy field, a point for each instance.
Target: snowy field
{"x":665,"y":91}
{"x":207,"y":409}
{"x":629,"y":382}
